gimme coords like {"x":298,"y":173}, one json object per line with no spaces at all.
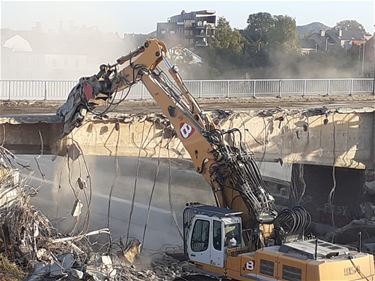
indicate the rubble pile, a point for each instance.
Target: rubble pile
{"x":29,"y":239}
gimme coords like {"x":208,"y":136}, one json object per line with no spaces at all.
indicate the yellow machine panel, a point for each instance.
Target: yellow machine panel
{"x":359,"y":268}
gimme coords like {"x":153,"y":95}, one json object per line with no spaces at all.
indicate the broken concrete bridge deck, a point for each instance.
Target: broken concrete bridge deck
{"x":288,"y":130}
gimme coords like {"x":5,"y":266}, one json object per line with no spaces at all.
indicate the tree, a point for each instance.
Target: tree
{"x":227,"y":38}
{"x":225,"y":52}
{"x":257,"y":30}
{"x":269,"y":35}
{"x":283,"y":36}
{"x":350,"y":25}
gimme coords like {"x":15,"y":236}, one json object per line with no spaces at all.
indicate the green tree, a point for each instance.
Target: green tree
{"x":283,"y":36}
{"x":270,"y":38}
{"x":257,"y":30}
{"x":265,"y":31}
{"x":225,"y":51}
{"x":227,"y":38}
{"x":350,"y":25}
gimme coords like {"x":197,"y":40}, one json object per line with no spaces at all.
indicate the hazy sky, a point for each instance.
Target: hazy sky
{"x":141,"y":16}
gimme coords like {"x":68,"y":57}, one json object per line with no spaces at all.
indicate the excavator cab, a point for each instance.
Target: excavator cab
{"x":209,"y":232}
{"x":213,"y":243}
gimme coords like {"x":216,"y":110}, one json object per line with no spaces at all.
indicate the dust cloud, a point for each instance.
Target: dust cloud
{"x":73,"y":51}
{"x":280,"y":65}
{"x":67,"y":53}
{"x":59,"y":190}
{"x":320,"y":65}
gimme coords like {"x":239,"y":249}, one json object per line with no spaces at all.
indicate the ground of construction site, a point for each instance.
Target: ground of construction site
{"x":224,"y":145}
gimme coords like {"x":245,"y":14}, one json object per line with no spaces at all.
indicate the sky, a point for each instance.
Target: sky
{"x":142,"y":16}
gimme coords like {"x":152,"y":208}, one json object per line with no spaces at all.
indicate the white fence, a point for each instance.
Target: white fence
{"x":59,"y":90}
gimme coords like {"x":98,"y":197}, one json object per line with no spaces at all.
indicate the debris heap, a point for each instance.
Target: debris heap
{"x":31,"y":246}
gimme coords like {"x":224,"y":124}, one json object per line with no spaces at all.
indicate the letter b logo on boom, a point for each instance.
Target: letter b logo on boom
{"x":186,"y":130}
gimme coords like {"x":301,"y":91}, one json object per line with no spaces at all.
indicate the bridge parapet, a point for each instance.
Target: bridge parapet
{"x":59,"y":90}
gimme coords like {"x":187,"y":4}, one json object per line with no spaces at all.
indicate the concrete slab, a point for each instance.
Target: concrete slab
{"x":343,"y":136}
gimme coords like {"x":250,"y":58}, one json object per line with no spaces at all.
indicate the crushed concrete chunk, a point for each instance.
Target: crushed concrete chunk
{"x":77,"y":208}
{"x":77,"y":273}
{"x":369,"y":187}
{"x":106,"y":260}
{"x":67,"y":261}
{"x":132,"y":251}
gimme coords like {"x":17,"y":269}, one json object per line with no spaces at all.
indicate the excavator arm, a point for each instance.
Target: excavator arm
{"x":220,"y":156}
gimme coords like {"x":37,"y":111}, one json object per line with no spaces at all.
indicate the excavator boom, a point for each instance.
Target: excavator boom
{"x":220,"y":156}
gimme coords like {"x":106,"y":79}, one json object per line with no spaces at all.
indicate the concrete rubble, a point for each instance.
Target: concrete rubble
{"x":29,"y":239}
{"x":350,"y":234}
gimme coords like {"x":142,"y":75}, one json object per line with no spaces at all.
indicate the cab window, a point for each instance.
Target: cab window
{"x":217,"y":235}
{"x":232,"y":235}
{"x":200,"y":236}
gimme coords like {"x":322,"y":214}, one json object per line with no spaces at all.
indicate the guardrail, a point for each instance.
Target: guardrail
{"x":59,"y":90}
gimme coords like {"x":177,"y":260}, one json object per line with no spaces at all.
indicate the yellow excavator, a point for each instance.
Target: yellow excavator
{"x":243,"y":237}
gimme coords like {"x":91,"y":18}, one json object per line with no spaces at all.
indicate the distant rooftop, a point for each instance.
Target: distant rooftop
{"x":191,"y":15}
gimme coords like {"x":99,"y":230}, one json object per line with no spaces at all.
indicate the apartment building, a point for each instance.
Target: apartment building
{"x":189,"y":29}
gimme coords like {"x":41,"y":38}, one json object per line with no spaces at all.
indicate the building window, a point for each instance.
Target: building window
{"x":217,"y":235}
{"x":200,"y":237}
{"x":267,"y":267}
{"x":291,"y":273}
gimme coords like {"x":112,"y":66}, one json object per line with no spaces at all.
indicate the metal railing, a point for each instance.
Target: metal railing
{"x":59,"y":90}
